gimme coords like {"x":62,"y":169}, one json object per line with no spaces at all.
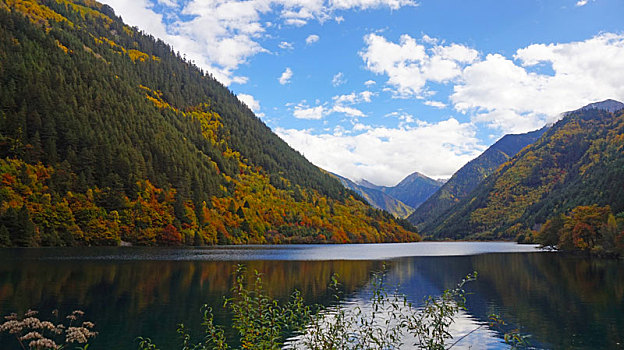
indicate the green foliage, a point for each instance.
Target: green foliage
{"x":549,"y":234}
{"x":431,"y":325}
{"x":262,"y":323}
{"x":108,"y":135}
{"x":514,"y":338}
{"x":19,"y":231}
{"x":5,"y":241}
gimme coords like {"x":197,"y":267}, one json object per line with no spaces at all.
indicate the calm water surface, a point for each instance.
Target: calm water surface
{"x":563,"y":302}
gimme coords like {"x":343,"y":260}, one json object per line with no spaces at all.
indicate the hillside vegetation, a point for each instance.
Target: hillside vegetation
{"x":577,"y":163}
{"x":470,"y":175}
{"x":108,"y":135}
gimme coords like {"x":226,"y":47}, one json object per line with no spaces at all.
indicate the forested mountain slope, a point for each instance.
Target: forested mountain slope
{"x":108,"y":135}
{"x":577,"y":162}
{"x":470,"y":175}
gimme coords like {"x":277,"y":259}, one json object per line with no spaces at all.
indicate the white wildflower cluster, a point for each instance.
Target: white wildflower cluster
{"x":79,"y":335}
{"x":43,"y":343}
{"x":35,"y":334}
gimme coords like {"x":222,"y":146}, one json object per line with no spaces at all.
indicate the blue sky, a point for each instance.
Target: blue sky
{"x":378,"y":89}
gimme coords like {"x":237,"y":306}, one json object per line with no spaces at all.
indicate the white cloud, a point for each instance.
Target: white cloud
{"x":353,"y":98}
{"x":386,"y":155}
{"x":368,"y":4}
{"x":219,"y":35}
{"x":409,"y":64}
{"x":296,"y":22}
{"x":361,"y":127}
{"x":350,"y":98}
{"x":435,"y":104}
{"x":405,"y":119}
{"x":366,"y":95}
{"x":169,"y":3}
{"x":250,"y":101}
{"x":311,"y":39}
{"x":338,"y":79}
{"x":370,"y":83}
{"x":286,"y":76}
{"x":581,"y":3}
{"x":349,"y":111}
{"x":429,"y":40}
{"x":286,"y":45}
{"x":513,"y":96}
{"x":304,"y":112}
{"x":139,"y":13}
{"x":510,"y":94}
{"x":340,"y":104}
{"x":455,"y":52}
{"x":218,"y":39}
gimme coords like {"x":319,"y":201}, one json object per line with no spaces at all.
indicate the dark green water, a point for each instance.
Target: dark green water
{"x":563,"y":302}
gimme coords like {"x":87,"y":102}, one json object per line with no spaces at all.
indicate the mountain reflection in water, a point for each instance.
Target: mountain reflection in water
{"x":561,"y":301}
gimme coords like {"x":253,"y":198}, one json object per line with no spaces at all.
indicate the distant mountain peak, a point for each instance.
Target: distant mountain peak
{"x":412,"y":177}
{"x":607,"y":105}
{"x":367,"y":184}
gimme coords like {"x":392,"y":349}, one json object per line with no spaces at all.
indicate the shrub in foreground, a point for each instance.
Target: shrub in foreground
{"x":387,"y":321}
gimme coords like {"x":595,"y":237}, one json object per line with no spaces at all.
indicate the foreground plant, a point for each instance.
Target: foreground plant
{"x":261,"y":322}
{"x":385,"y":322}
{"x":35,"y":334}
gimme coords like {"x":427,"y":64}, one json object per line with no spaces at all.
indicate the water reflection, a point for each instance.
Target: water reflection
{"x":563,"y":302}
{"x":132,"y":298}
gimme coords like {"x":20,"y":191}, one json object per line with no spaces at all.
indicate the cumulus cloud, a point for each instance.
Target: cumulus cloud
{"x":349,"y":111}
{"x":285,"y":77}
{"x":513,"y":96}
{"x":311,"y":39}
{"x":370,"y":83}
{"x":581,"y":3}
{"x":304,"y":112}
{"x":410,"y":64}
{"x":341,"y":104}
{"x":509,"y":94}
{"x":286,"y":45}
{"x":353,"y":98}
{"x":435,"y":104}
{"x":405,"y":119}
{"x":338,"y":79}
{"x":250,"y":101}
{"x":219,"y":36}
{"x":386,"y":155}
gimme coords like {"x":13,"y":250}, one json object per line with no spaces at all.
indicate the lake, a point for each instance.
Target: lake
{"x":563,"y":302}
